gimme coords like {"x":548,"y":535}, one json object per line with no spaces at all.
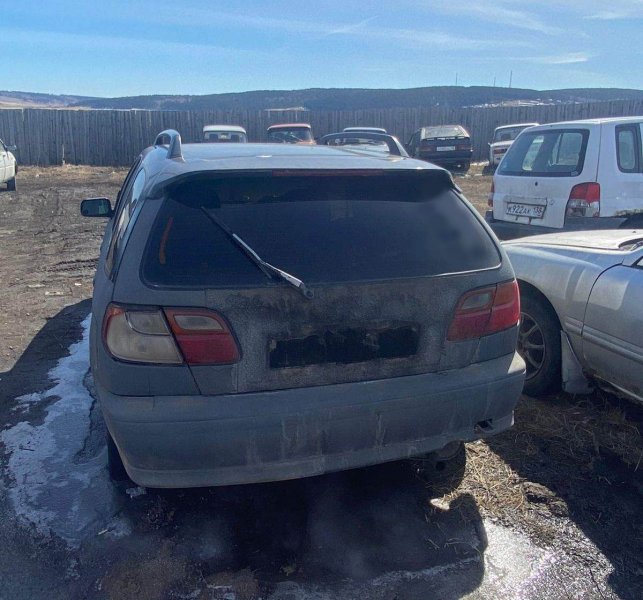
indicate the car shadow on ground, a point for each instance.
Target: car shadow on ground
{"x":578,"y":474}
{"x":363,"y":525}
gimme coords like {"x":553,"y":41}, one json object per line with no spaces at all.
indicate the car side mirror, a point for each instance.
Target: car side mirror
{"x":12,"y":148}
{"x":96,"y":207}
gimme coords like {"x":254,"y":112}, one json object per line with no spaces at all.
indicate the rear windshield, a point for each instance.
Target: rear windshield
{"x":319,"y":229}
{"x":445,"y":131}
{"x":224,"y":136}
{"x":508,"y":134}
{"x":290,"y":136}
{"x":550,"y":153}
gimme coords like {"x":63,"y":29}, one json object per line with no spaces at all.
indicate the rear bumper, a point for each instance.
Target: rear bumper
{"x":194,"y":441}
{"x":446,"y":158}
{"x":506,"y":230}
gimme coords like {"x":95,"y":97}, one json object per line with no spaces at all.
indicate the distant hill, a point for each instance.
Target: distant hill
{"x":34,"y":100}
{"x":328,"y":99}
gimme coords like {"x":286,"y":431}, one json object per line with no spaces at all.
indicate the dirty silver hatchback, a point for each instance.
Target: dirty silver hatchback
{"x":264,"y":313}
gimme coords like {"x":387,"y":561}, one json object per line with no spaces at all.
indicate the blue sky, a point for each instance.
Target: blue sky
{"x":114,"y":48}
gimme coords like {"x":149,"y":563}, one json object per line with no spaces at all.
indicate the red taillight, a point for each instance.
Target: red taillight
{"x":491,"y":193}
{"x":463,"y":147}
{"x":203,"y":336}
{"x":584,"y":200}
{"x":194,"y":336}
{"x":485,"y":311}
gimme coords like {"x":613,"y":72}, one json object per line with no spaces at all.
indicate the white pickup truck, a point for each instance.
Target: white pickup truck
{"x":8,"y":166}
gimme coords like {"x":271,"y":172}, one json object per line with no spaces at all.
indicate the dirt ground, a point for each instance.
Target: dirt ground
{"x":559,"y":496}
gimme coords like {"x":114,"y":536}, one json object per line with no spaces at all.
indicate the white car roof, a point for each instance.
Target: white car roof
{"x":516,"y":125}
{"x":593,"y":122}
{"x":234,"y":128}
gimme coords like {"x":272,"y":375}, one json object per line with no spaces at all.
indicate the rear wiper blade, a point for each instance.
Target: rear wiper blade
{"x":269,"y":270}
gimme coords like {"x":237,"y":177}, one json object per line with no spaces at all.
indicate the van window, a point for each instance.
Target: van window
{"x":628,"y":148}
{"x":318,"y":228}
{"x":549,"y":153}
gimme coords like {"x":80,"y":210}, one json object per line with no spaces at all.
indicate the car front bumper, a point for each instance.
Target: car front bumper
{"x":194,"y":441}
{"x":508,"y":230}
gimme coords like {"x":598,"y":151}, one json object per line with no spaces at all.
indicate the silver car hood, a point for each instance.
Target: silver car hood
{"x":619,"y":240}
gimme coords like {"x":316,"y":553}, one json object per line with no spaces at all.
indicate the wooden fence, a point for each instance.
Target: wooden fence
{"x":115,"y":137}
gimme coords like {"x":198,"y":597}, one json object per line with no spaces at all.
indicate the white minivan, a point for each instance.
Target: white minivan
{"x":575,"y":175}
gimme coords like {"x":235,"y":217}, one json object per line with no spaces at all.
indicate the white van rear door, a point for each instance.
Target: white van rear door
{"x":621,"y":169}
{"x":534,"y":180}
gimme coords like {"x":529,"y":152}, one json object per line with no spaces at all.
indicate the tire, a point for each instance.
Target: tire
{"x":465,"y":167}
{"x":11,"y":185}
{"x":539,"y":345}
{"x":115,"y":466}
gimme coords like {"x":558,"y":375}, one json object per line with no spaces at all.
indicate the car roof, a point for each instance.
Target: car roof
{"x":200,"y":158}
{"x":284,"y":125}
{"x":374,"y":129}
{"x":592,"y":122}
{"x":515,"y":125}
{"x":224,"y":128}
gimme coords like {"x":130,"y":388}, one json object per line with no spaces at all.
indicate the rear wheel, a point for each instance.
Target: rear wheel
{"x":539,"y":345}
{"x":465,"y":167}
{"x":11,"y":185}
{"x":115,"y":465}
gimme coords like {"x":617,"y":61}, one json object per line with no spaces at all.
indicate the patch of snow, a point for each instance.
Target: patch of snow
{"x":52,"y":489}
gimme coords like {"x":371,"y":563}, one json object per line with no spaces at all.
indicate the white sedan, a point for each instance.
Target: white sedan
{"x":8,"y":166}
{"x":581,"y":310}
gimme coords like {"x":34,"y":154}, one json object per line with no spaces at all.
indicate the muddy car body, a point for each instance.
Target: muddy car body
{"x":264,"y":313}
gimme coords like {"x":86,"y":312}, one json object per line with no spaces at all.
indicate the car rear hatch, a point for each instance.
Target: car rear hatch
{"x":383,"y":258}
{"x":535,"y":179}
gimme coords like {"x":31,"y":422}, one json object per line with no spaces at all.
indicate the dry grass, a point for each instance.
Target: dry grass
{"x":571,"y":435}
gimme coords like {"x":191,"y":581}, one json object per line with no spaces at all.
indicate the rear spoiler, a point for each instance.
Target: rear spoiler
{"x":347,"y":138}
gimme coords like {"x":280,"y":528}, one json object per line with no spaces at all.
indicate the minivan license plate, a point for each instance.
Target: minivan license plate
{"x":445,"y":148}
{"x":526,"y":210}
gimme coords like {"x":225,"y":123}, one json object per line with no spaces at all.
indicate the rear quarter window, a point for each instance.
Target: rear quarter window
{"x":548,"y":153}
{"x":628,"y":148}
{"x":320,"y":229}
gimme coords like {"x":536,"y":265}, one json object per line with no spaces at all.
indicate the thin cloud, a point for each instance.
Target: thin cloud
{"x":569,"y":58}
{"x":493,"y":11}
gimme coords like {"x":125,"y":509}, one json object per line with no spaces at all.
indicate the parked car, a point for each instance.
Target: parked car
{"x":582,"y":312}
{"x":8,"y":166}
{"x":290,"y":133}
{"x":364,"y":130}
{"x":445,"y":145}
{"x":224,"y":134}
{"x":265,"y":313}
{"x":503,"y":137}
{"x":365,"y":140}
{"x":576,"y":175}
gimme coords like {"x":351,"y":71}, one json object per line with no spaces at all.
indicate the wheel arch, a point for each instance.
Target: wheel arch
{"x":531,"y":289}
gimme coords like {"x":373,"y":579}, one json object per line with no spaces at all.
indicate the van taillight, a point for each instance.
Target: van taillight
{"x":584,"y":200}
{"x":484,"y":311}
{"x":170,"y":336}
{"x":491,"y":193}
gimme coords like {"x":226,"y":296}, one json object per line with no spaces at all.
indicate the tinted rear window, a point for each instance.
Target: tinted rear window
{"x":320,"y":229}
{"x":549,"y":153}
